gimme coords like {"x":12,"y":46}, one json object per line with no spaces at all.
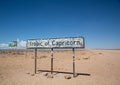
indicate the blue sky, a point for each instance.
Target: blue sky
{"x":96,"y":20}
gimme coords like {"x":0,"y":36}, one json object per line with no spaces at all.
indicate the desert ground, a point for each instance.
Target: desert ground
{"x":17,"y":67}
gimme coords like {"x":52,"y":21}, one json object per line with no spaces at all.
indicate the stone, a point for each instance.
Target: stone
{"x":45,"y":74}
{"x":32,"y":74}
{"x":50,"y":76}
{"x":86,"y":57}
{"x":28,"y":73}
{"x":55,"y":73}
{"x":67,"y":77}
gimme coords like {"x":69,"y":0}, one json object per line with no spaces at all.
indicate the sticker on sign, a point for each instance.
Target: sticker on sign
{"x":67,"y":42}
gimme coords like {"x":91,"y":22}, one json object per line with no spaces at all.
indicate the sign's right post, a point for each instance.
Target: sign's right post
{"x":74,"y":74}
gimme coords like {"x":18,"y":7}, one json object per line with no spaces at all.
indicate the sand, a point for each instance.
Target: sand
{"x":17,"y":67}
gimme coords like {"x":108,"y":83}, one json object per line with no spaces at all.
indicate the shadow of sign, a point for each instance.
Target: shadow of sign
{"x":77,"y":74}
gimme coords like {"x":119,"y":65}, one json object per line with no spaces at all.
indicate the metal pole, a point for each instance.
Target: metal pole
{"x":74,"y":75}
{"x":51,"y":60}
{"x":35,"y":60}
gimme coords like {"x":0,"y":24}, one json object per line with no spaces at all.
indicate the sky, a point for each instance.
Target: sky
{"x":98,"y":21}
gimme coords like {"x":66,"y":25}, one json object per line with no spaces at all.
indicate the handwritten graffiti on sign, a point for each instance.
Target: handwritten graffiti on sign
{"x":69,"y":42}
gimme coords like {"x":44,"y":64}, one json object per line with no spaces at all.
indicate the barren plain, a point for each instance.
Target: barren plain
{"x":17,"y":67}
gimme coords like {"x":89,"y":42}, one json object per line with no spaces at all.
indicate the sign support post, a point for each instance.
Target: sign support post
{"x":51,"y":60}
{"x":74,"y":74}
{"x":35,"y":60}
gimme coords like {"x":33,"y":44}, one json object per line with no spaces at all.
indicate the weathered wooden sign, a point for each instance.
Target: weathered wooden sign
{"x":66,"y":42}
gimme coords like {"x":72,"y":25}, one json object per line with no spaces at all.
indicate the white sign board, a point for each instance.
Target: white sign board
{"x":67,"y":42}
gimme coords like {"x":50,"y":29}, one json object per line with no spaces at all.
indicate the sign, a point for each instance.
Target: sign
{"x":67,"y":42}
{"x":13,"y":44}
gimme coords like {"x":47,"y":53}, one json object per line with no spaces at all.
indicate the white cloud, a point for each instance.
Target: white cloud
{"x":21,"y":44}
{"x":4,"y":46}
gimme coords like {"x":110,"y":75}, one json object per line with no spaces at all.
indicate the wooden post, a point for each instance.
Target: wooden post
{"x":35,"y":60}
{"x":51,"y":60}
{"x":74,"y":74}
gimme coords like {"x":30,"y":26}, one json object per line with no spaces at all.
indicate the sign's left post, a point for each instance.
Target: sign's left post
{"x":35,"y":60}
